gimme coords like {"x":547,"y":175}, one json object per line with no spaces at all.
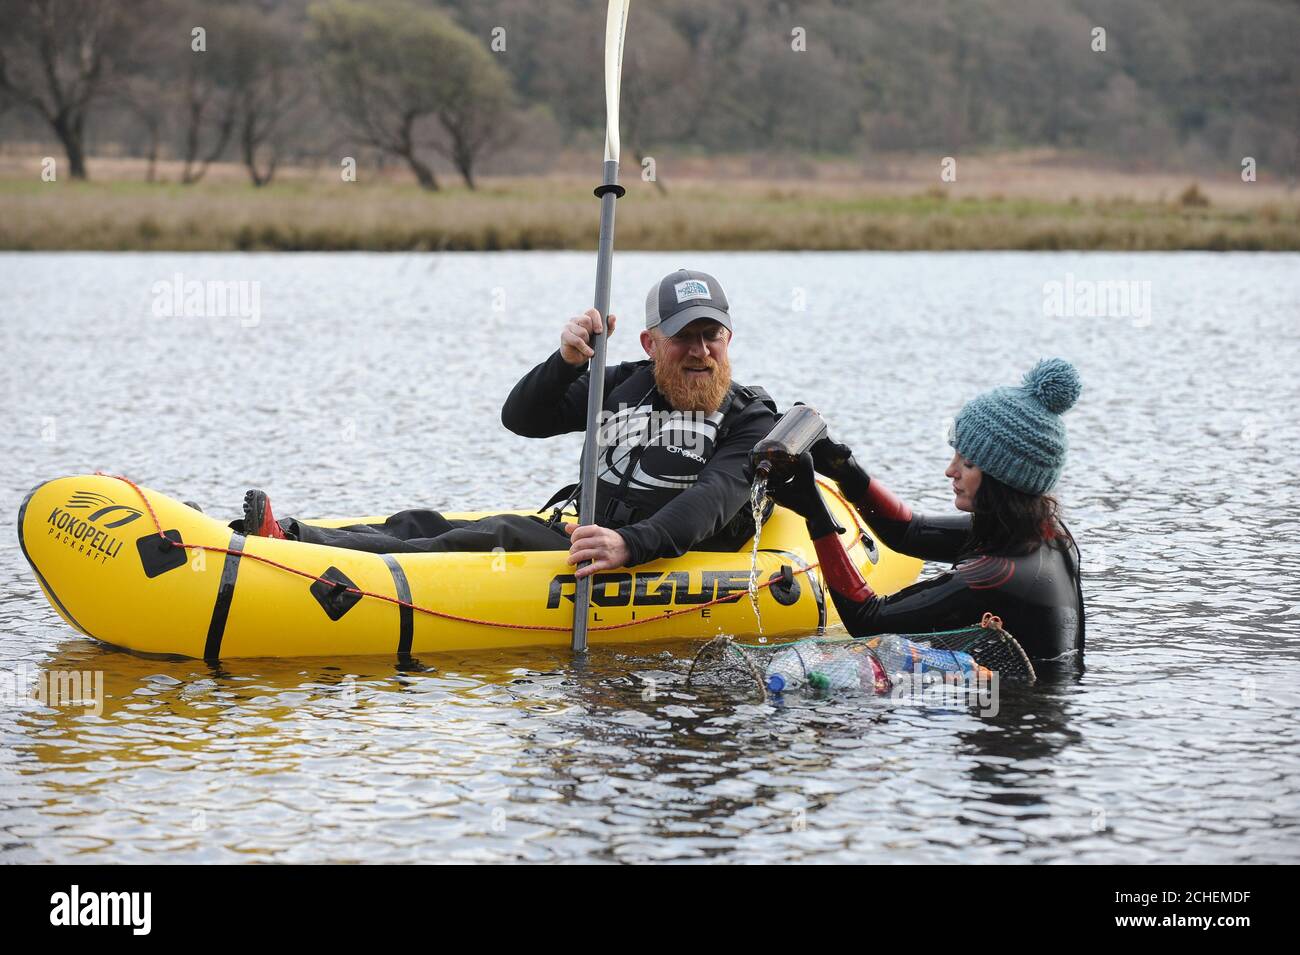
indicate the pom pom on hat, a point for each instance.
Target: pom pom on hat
{"x":1055,"y":383}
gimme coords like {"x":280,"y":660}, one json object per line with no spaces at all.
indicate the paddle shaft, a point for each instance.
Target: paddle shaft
{"x":609,"y":192}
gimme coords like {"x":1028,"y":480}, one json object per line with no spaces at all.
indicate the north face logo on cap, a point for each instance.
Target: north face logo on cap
{"x":691,"y":289}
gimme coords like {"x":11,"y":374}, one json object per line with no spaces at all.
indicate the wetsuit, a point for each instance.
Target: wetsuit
{"x":1037,"y":594}
{"x":669,"y":481}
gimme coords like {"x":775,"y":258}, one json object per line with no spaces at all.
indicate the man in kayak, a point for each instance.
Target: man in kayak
{"x":673,"y":448}
{"x":1011,"y":554}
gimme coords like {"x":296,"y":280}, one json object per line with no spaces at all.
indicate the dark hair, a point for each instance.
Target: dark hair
{"x":1007,"y":521}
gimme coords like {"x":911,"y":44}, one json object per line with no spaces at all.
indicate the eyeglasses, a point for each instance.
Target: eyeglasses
{"x":713,"y":335}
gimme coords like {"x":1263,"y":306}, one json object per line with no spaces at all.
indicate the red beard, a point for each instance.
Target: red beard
{"x":690,"y":392}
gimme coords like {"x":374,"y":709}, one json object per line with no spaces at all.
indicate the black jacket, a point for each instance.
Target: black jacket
{"x":668,"y":481}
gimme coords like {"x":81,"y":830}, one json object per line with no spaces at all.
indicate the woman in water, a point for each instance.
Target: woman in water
{"x":1012,"y":556}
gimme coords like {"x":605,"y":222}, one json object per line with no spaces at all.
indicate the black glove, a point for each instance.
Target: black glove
{"x":798,"y":491}
{"x":836,"y":461}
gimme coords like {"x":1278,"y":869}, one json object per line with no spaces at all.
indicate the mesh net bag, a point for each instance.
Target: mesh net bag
{"x":873,"y":666}
{"x":815,"y":664}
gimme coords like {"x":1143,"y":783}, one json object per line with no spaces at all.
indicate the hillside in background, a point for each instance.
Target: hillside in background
{"x":477,"y":124}
{"x":1181,"y":84}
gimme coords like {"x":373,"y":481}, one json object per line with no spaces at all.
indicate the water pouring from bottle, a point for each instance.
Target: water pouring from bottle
{"x":757,"y":502}
{"x":773,"y":458}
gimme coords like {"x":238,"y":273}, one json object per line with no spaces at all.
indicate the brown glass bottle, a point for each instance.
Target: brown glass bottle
{"x":798,"y":430}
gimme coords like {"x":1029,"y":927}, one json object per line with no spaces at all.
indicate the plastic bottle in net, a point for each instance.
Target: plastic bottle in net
{"x":825,"y":667}
{"x":786,"y":671}
{"x":898,"y":654}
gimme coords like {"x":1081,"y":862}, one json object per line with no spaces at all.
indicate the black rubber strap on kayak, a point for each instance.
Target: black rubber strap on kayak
{"x":225,"y":593}
{"x":813,"y":584}
{"x":405,"y":615}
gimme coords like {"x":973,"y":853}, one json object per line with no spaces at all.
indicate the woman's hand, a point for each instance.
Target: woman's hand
{"x":800,"y":493}
{"x":575,"y":339}
{"x":836,"y":461}
{"x":798,"y":489}
{"x":605,"y":548}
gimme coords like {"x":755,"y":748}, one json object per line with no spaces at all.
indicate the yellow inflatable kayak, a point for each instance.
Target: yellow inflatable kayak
{"x":137,"y":569}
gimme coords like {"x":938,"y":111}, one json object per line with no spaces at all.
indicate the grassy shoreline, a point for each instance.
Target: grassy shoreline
{"x":560,"y":213}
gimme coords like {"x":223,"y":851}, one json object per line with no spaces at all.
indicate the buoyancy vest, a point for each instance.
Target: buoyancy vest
{"x":650,"y":452}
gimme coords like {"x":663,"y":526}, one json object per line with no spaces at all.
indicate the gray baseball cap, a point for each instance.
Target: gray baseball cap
{"x":683,"y":297}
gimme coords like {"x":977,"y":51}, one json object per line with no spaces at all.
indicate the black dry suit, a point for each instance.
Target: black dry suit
{"x":1037,"y":593}
{"x":669,"y":481}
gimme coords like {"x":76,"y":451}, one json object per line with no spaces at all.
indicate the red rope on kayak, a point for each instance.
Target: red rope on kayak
{"x":245,"y":555}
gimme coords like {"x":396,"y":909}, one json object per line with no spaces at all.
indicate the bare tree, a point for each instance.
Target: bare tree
{"x":143,"y":96}
{"x":388,"y":65}
{"x":208,"y":98}
{"x":58,"y":57}
{"x":145,"y":88}
{"x":476,"y":111}
{"x":657,"y":72}
{"x":267,"y":87}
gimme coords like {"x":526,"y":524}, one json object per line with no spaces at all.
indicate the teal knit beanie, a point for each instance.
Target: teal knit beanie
{"x":1016,"y":433}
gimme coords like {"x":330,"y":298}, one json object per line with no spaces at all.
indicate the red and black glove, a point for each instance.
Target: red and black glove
{"x":836,"y":461}
{"x":799,"y":492}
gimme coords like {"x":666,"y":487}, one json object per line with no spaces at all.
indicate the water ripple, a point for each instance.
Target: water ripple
{"x":1178,"y":743}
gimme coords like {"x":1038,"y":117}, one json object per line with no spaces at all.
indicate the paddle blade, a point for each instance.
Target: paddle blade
{"x":615,"y":28}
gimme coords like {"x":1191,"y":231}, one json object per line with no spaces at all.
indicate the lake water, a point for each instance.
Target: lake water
{"x":357,"y":384}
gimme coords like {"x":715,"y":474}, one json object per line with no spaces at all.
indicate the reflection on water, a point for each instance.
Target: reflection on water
{"x":372,"y":384}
